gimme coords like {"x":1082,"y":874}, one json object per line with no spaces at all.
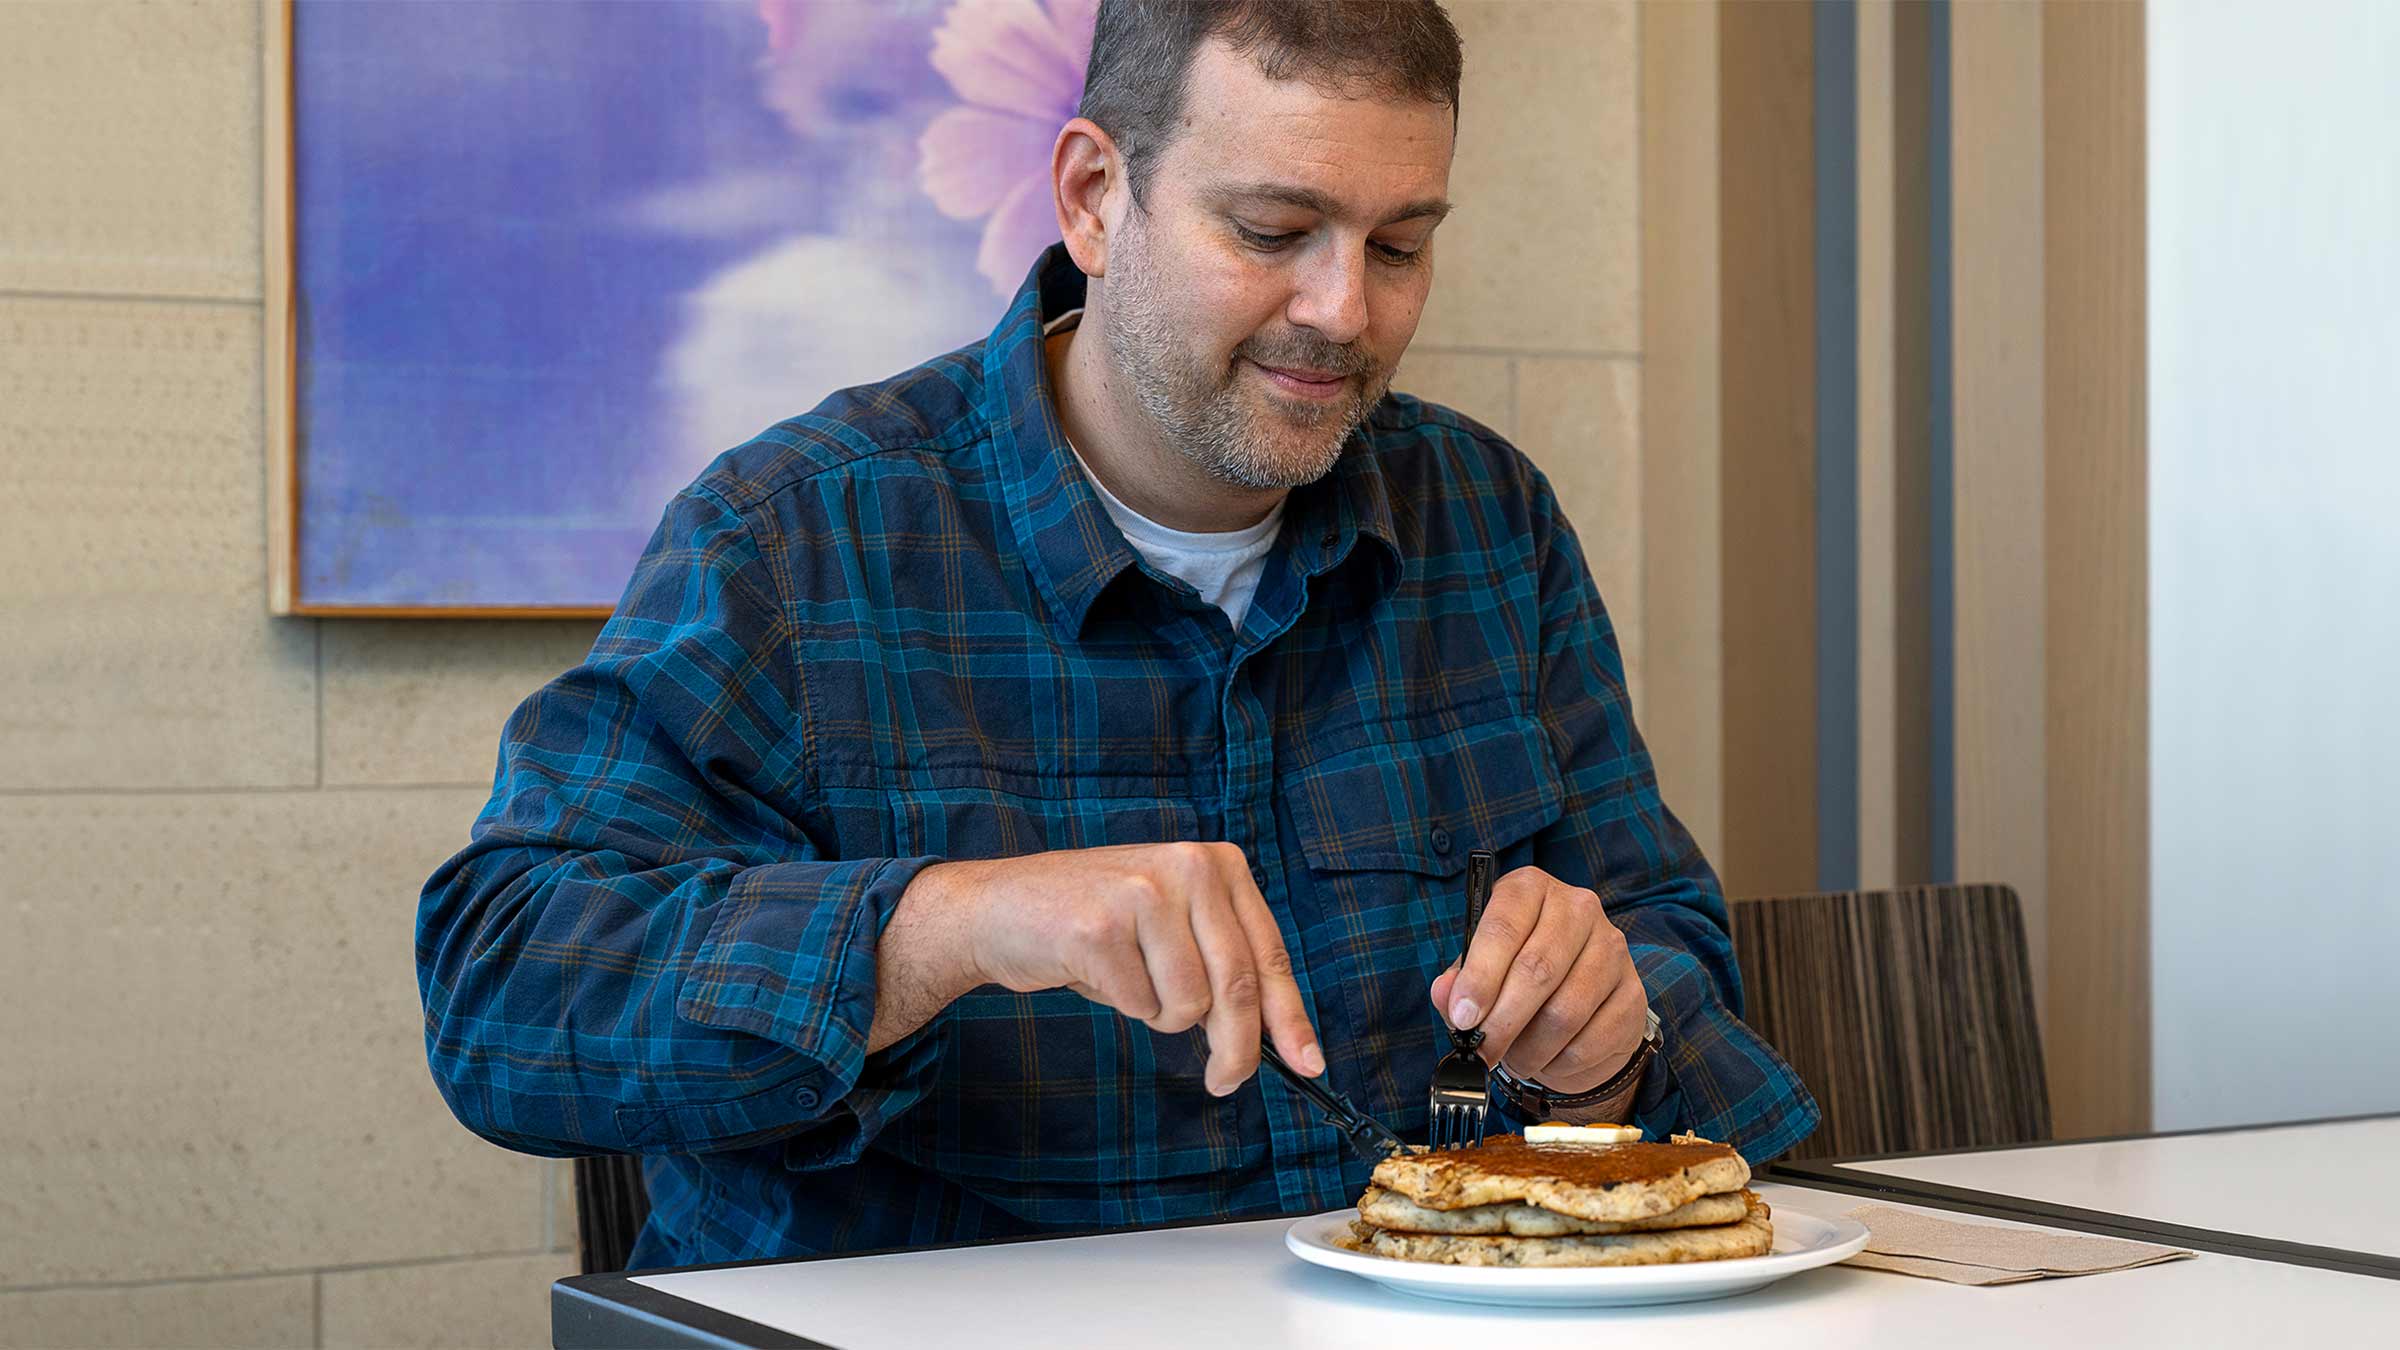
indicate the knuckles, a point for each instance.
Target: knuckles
{"x":1241,"y":991}
{"x":1539,"y":967}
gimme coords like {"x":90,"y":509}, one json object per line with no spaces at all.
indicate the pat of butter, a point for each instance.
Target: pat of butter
{"x":1557,"y":1133}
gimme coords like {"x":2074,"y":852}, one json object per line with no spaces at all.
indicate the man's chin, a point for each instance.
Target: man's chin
{"x":1287,"y":466}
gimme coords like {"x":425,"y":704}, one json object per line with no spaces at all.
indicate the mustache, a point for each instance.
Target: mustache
{"x":1301,"y":352}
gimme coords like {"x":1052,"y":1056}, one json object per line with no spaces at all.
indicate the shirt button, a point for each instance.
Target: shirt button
{"x":1441,"y":840}
{"x":805,"y":1098}
{"x":1259,"y":875}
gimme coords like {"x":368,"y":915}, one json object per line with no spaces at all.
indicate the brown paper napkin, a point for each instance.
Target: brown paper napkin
{"x":1974,"y":1253}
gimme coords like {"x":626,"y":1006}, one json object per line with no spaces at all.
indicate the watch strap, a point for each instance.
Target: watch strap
{"x":1536,"y":1101}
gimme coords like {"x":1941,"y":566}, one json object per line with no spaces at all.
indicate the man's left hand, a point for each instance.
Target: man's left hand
{"x":1549,"y":980}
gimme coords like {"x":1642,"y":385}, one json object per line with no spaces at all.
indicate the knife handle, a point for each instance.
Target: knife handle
{"x":1372,"y":1139}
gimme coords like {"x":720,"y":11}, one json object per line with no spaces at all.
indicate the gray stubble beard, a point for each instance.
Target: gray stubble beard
{"x":1211,"y":424}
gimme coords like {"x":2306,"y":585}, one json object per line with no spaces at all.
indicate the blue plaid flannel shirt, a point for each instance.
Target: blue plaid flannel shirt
{"x":900,"y":629}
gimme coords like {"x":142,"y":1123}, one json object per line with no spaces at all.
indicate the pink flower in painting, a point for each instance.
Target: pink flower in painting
{"x":835,"y":68}
{"x":1018,"y":66}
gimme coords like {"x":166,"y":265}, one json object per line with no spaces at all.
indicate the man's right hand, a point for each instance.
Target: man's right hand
{"x":1171,"y":935}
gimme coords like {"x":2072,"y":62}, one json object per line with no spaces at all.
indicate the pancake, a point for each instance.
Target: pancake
{"x":1608,"y":1183}
{"x":1754,"y":1235}
{"x":1395,"y":1212}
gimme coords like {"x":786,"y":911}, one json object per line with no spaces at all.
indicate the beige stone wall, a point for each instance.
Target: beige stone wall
{"x":216,"y":1126}
{"x":1535,"y":324}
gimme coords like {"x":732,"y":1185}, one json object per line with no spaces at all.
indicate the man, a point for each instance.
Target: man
{"x":962,"y":748}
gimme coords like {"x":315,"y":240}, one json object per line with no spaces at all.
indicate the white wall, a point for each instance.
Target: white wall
{"x":2274,"y":221}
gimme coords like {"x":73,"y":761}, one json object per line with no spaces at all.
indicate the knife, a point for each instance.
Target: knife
{"x":1370,"y":1138}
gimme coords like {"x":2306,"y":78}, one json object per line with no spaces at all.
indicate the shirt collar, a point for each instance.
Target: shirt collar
{"x":1072,"y":549}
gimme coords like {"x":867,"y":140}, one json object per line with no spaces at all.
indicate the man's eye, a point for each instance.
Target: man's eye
{"x":1267,"y":242}
{"x":1394,"y":254}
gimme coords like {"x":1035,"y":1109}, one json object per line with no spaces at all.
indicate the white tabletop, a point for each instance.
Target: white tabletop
{"x":1235,"y":1284}
{"x":2324,"y":1185}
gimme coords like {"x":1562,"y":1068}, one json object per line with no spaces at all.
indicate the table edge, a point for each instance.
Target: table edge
{"x":2136,"y":1137}
{"x":610,"y":1312}
{"x":610,"y":1304}
{"x":1839,"y":1174}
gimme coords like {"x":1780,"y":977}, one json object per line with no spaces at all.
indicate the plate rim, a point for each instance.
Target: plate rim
{"x":1842,"y":1238}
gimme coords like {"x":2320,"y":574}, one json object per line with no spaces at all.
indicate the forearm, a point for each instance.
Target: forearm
{"x":925,"y":961}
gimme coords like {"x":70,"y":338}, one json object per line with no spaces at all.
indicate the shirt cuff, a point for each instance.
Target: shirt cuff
{"x":790,"y":957}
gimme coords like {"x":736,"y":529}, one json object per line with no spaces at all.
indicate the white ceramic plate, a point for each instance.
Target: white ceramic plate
{"x":1802,"y":1242}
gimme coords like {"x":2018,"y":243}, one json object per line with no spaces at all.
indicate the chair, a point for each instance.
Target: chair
{"x":611,"y":1203}
{"x":1909,"y":1013}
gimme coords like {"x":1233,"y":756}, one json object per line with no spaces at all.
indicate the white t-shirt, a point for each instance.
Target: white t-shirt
{"x":1223,"y":566}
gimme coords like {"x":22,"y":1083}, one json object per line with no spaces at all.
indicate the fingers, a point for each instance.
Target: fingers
{"x":1594,"y":979}
{"x":1106,"y":961}
{"x":1508,"y":920}
{"x":1536,"y":980}
{"x":1183,"y":938}
{"x":1234,"y":990}
{"x":1281,"y":1009}
{"x":1607,"y":1040}
{"x":1442,"y":986}
{"x":1176,"y":967}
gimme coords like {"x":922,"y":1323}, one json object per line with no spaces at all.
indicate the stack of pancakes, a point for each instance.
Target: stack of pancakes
{"x":1511,"y":1203}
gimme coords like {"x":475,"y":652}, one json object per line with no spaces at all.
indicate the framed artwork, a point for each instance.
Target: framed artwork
{"x":532,"y":264}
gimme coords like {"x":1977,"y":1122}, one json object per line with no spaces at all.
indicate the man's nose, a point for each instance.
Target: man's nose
{"x":1332,"y":294}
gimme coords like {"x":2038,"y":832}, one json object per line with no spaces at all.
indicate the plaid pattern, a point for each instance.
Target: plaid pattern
{"x":901,"y":628}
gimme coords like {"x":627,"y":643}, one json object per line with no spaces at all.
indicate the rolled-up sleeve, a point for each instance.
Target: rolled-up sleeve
{"x":642,"y":950}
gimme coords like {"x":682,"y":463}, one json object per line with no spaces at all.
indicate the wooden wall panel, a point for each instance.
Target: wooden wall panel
{"x":1768,"y":327}
{"x":2095,"y":390}
{"x":1996,"y":451}
{"x":1682,"y":704}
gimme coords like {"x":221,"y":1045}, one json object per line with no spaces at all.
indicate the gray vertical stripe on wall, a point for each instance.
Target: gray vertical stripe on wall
{"x":1836,"y":91}
{"x":1940,"y":510}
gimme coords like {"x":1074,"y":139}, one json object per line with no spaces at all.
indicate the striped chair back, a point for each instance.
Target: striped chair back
{"x":611,"y":1204}
{"x":1909,"y":1013}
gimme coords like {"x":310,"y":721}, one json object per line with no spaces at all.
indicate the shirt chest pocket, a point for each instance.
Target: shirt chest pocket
{"x":1421,"y":805}
{"x":1386,"y":829}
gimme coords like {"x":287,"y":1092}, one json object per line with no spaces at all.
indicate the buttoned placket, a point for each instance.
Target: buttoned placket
{"x":1304,"y":1148}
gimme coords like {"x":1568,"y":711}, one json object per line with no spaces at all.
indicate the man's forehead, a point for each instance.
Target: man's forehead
{"x":1346,"y":155}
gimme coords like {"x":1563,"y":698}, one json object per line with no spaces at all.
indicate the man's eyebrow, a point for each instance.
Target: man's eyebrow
{"x":1309,"y":199}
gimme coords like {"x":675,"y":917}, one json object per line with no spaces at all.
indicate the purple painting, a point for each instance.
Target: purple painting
{"x":552,"y":257}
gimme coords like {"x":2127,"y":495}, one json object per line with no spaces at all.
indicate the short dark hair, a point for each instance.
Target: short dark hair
{"x":1133,"y":86}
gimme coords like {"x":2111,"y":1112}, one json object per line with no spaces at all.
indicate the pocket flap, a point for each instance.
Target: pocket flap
{"x":1422,"y":806}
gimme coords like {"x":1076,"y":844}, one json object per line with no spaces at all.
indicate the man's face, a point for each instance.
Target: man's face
{"x":1260,"y":303}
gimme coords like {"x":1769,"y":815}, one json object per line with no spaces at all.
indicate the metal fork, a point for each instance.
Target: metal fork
{"x":1461,"y":1088}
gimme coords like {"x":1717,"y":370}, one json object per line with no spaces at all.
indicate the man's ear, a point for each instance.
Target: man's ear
{"x":1087,"y":179}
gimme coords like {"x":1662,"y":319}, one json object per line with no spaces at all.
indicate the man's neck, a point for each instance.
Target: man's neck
{"x":1123,"y":447}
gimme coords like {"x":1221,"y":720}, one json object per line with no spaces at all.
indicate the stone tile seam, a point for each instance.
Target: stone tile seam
{"x":238,"y":790}
{"x":316,"y":1272}
{"x":134,"y":297}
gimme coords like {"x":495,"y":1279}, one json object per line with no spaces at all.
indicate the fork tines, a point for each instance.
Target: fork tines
{"x":1461,"y":1085}
{"x":1457,"y":1115}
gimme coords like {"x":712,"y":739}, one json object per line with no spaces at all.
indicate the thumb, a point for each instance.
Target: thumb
{"x":1441,"y":988}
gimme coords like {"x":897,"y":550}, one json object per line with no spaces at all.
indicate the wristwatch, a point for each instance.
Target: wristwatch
{"x":1538,"y":1103}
